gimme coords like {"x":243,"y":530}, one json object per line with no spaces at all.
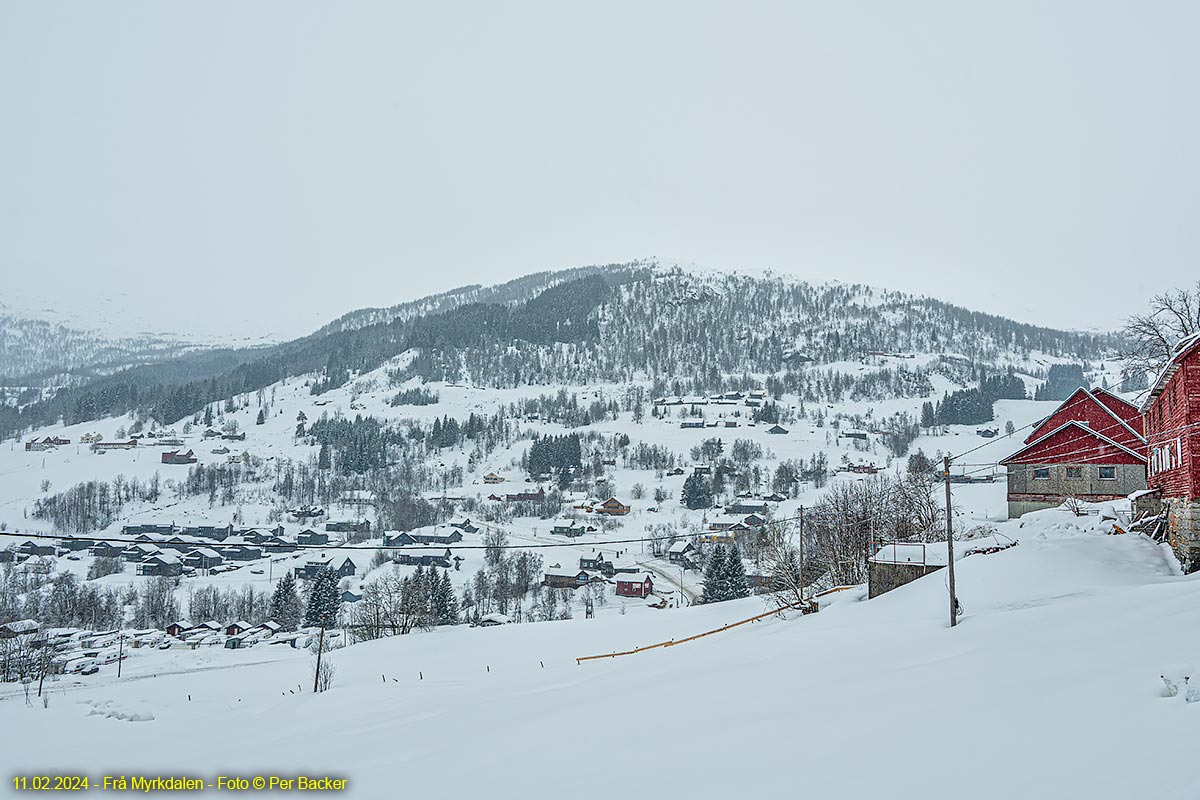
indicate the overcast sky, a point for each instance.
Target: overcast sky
{"x":260,"y":168}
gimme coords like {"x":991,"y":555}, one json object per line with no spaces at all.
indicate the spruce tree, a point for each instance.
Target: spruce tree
{"x":285,"y":603}
{"x":262,"y":417}
{"x":324,"y":461}
{"x":696,"y":492}
{"x":736,"y":585}
{"x":714,"y":577}
{"x":324,"y":600}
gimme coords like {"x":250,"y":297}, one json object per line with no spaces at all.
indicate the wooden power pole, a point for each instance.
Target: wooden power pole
{"x":320,"y":650}
{"x":950,"y":542}
{"x":800,"y":577}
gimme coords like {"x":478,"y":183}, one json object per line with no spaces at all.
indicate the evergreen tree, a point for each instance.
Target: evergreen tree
{"x":697,"y":493}
{"x":736,"y":585}
{"x":262,"y":417}
{"x":324,"y":461}
{"x":445,"y":603}
{"x":324,"y":600}
{"x":927,"y":418}
{"x":208,"y":417}
{"x":714,"y":577}
{"x":285,"y":603}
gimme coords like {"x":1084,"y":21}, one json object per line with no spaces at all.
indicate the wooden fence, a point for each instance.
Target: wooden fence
{"x":692,"y":638}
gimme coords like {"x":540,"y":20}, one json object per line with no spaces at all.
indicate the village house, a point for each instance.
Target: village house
{"x":203,"y":558}
{"x":138,"y":530}
{"x":430,"y":534}
{"x":105,"y":550}
{"x":526,"y":497}
{"x":560,"y":578}
{"x":492,"y":478}
{"x":99,"y":447}
{"x":241,"y":552}
{"x":1091,"y":448}
{"x":777,"y":429}
{"x":464,"y":524}
{"x":597,"y":563}
{"x":237,"y":628}
{"x":611,"y":507}
{"x":32,"y":547}
{"x":568,"y":527}
{"x":268,"y":628}
{"x":140,"y":552}
{"x":638,"y":584}
{"x":208,"y":531}
{"x":176,"y":629}
{"x":362,"y":526}
{"x":161,"y":565}
{"x":424,"y":558}
{"x":177,"y":457}
{"x":311,"y":568}
{"x":758,"y":507}
{"x":308,"y":537}
{"x":682,"y":552}
{"x":692,"y":423}
{"x":1171,"y":413}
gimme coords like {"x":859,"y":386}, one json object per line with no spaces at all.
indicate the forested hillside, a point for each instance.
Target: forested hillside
{"x":683,"y":331}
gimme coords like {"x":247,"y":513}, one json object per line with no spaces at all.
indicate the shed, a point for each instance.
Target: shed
{"x":894,"y":565}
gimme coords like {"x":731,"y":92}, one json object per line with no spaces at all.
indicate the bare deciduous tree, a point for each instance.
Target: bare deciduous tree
{"x":1172,"y":316}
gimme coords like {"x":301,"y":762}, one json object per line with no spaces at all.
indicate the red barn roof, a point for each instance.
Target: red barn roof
{"x":1102,"y":411}
{"x":1073,"y":443}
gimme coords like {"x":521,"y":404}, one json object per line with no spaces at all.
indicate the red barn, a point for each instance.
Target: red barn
{"x":178,"y":457}
{"x":1091,"y":448}
{"x":1172,"y":419}
{"x":635,"y":585}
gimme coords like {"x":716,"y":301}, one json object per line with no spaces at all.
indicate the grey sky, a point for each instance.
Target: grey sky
{"x":263,"y":167}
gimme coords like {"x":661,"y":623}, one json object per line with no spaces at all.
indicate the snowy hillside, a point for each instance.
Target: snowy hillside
{"x":1049,"y":688}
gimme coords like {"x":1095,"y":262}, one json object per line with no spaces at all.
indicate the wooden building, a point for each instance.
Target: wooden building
{"x":1091,"y":448}
{"x":638,"y":584}
{"x":1171,"y":413}
{"x":894,"y":565}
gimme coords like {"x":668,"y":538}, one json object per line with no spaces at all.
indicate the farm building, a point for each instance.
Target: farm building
{"x":1090,"y":448}
{"x":310,"y":537}
{"x":178,"y":457}
{"x":310,"y":569}
{"x":1172,"y":418}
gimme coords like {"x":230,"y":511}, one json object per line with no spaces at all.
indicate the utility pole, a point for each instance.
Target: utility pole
{"x":800,"y":577}
{"x":120,"y":653}
{"x":950,"y":542}
{"x":320,"y":651}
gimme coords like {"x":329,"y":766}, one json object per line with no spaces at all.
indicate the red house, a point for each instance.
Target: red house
{"x":177,"y":457}
{"x":1090,"y":448}
{"x":1172,"y":419}
{"x":634,"y":585}
{"x":237,"y":628}
{"x":176,"y":629}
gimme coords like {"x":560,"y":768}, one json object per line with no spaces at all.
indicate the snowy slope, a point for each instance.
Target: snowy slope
{"x":1049,"y":688}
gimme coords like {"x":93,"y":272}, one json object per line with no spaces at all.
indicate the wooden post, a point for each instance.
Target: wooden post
{"x":800,"y":577}
{"x":120,"y":653}
{"x":320,"y":650}
{"x":950,"y":542}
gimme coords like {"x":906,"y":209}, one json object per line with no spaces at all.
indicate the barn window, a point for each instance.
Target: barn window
{"x":1041,"y":473}
{"x":1108,"y":473}
{"x":1074,"y":473}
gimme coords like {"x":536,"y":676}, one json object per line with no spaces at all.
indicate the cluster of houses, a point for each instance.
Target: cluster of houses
{"x":170,"y":550}
{"x":1096,"y":447}
{"x":231,"y":635}
{"x":628,"y":579}
{"x":754,"y":398}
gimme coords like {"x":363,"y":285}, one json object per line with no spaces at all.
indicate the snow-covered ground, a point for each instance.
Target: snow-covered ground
{"x":1049,"y":688}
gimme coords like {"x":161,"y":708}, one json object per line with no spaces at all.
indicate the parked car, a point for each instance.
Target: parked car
{"x":90,"y":669}
{"x":256,"y":572}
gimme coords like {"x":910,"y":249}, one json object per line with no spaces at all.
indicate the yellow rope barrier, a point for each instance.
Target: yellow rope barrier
{"x":674,"y":642}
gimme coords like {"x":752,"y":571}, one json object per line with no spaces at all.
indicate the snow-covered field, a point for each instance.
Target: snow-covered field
{"x":1049,"y":688}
